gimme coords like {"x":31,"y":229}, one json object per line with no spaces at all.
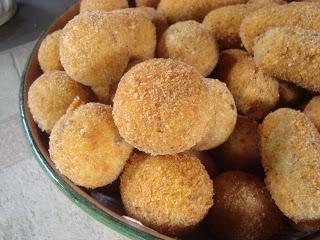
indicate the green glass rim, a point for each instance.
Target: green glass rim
{"x":84,"y":204}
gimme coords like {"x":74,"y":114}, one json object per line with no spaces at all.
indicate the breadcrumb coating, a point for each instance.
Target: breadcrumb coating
{"x":138,"y":32}
{"x":207,"y":161}
{"x":241,"y":150}
{"x":91,"y":49}
{"x":224,"y":23}
{"x":255,"y":93}
{"x":312,"y":110}
{"x":105,"y":5}
{"x":192,"y":43}
{"x":243,"y":208}
{"x":155,"y":17}
{"x":160,"y":107}
{"x":291,"y":54}
{"x":297,"y":14}
{"x":290,"y":149}
{"x":181,"y":10}
{"x":147,"y":3}
{"x":86,"y":147}
{"x":266,"y":2}
{"x":51,"y":94}
{"x":223,"y":116}
{"x":171,"y":194}
{"x":48,"y":54}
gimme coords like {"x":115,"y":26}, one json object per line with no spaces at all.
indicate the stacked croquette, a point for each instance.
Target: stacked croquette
{"x":190,"y":104}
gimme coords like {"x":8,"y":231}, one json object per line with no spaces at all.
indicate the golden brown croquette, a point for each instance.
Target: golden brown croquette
{"x":51,"y":94}
{"x":156,"y":103}
{"x":312,"y":110}
{"x":48,"y":54}
{"x":91,"y":51}
{"x":290,"y":54}
{"x":255,"y":93}
{"x":290,"y":148}
{"x":192,"y":43}
{"x":105,"y":5}
{"x":296,"y":14}
{"x":223,"y":116}
{"x":171,"y":193}
{"x":86,"y":147}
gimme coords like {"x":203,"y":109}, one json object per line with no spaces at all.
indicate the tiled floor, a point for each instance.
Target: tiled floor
{"x":30,"y":205}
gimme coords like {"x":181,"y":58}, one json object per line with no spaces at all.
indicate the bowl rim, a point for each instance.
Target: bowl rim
{"x":84,"y":204}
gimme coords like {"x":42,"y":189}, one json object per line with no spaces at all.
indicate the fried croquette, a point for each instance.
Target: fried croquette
{"x":51,"y":94}
{"x":207,"y":161}
{"x":102,"y":93}
{"x":147,"y":3}
{"x":255,"y":93}
{"x":297,"y":14}
{"x":91,"y":51}
{"x":171,"y":193}
{"x":105,"y":5}
{"x":192,"y":43}
{"x":241,"y":150}
{"x":290,"y":148}
{"x":290,"y":54}
{"x":243,"y":208}
{"x":48,"y":54}
{"x":266,"y":2}
{"x":86,"y":147}
{"x":156,"y":103}
{"x":290,"y":94}
{"x":223,"y":117}
{"x":224,"y":23}
{"x":181,"y":10}
{"x":312,"y":110}
{"x":137,"y":31}
{"x":155,"y":17}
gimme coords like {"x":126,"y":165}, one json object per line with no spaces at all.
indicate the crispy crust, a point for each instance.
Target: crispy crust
{"x":51,"y":94}
{"x":223,"y":116}
{"x":160,"y":106}
{"x":224,"y":23}
{"x":243,"y":208}
{"x":48,"y":54}
{"x":192,"y":43}
{"x":255,"y":93}
{"x":155,"y":17}
{"x":241,"y":150}
{"x":105,"y":5}
{"x":301,"y":14}
{"x":171,"y":194}
{"x":312,"y":110}
{"x":86,"y":147}
{"x":91,"y":50}
{"x":290,"y":149}
{"x":181,"y":10}
{"x":290,"y":54}
{"x":139,"y":32}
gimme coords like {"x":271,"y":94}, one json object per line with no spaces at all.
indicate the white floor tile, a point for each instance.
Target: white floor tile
{"x":9,"y":86}
{"x":32,"y":208}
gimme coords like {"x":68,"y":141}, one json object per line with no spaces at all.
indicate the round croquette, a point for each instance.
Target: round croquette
{"x":243,"y":208}
{"x":86,"y":147}
{"x":171,"y":193}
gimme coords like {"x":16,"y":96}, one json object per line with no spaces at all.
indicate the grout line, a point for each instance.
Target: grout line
{"x":15,"y":64}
